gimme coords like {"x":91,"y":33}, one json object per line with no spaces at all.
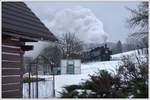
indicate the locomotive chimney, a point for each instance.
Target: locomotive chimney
{"x":105,"y":46}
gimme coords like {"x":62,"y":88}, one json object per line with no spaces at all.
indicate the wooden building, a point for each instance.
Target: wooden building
{"x":70,"y":66}
{"x":19,"y":25}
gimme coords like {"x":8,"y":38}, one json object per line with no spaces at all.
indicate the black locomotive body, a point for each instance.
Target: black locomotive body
{"x":97,"y":54}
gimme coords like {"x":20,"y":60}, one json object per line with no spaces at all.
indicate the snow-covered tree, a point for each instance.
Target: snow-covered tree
{"x":119,"y":47}
{"x":139,"y":21}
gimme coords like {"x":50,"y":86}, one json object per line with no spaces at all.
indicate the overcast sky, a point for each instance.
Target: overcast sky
{"x":107,"y":20}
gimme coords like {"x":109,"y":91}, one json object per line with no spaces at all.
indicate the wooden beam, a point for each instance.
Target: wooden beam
{"x":27,"y":47}
{"x":12,"y":43}
{"x":6,"y":37}
{"x":27,"y":40}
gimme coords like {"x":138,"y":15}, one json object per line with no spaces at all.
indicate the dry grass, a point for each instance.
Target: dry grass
{"x":26,"y":80}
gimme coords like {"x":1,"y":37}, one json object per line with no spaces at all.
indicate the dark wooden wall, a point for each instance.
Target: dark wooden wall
{"x":12,"y":68}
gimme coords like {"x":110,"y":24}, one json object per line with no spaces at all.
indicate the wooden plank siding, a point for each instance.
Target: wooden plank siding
{"x":11,"y":94}
{"x":12,"y":71}
{"x":12,"y":50}
{"x":10,"y":87}
{"x":10,"y":57}
{"x":10,"y":79}
{"x":9,"y":42}
{"x":6,"y":64}
{"x":12,"y":68}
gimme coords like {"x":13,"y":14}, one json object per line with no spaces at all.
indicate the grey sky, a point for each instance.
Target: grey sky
{"x":112,"y":14}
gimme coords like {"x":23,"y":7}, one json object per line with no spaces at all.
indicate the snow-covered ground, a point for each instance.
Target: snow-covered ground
{"x":44,"y":90}
{"x":63,"y":80}
{"x":86,"y":69}
{"x":134,"y":55}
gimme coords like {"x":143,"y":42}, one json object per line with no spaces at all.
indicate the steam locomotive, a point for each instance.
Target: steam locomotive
{"x":97,"y":54}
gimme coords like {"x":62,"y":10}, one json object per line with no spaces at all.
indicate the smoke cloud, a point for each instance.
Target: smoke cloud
{"x":80,"y":21}
{"x":38,"y":47}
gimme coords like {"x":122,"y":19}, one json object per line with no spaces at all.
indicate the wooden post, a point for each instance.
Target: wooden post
{"x":53,"y":80}
{"x":21,"y":75}
{"x":53,"y":85}
{"x":29,"y":81}
{"x":32,"y":89}
{"x":37,"y":79}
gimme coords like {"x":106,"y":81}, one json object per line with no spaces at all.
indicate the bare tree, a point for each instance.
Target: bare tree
{"x":70,"y":45}
{"x":139,"y":21}
{"x":53,"y":54}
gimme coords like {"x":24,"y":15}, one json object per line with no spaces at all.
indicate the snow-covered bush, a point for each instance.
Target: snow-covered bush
{"x":130,"y":81}
{"x":101,"y":85}
{"x":134,"y":77}
{"x":70,"y":91}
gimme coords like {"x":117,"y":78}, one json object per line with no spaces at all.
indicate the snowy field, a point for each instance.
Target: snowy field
{"x":45,"y":88}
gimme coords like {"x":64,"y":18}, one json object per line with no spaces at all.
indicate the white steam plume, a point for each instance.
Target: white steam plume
{"x":80,"y":21}
{"x":38,"y":47}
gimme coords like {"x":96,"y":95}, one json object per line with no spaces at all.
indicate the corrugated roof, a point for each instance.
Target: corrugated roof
{"x":18,"y":19}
